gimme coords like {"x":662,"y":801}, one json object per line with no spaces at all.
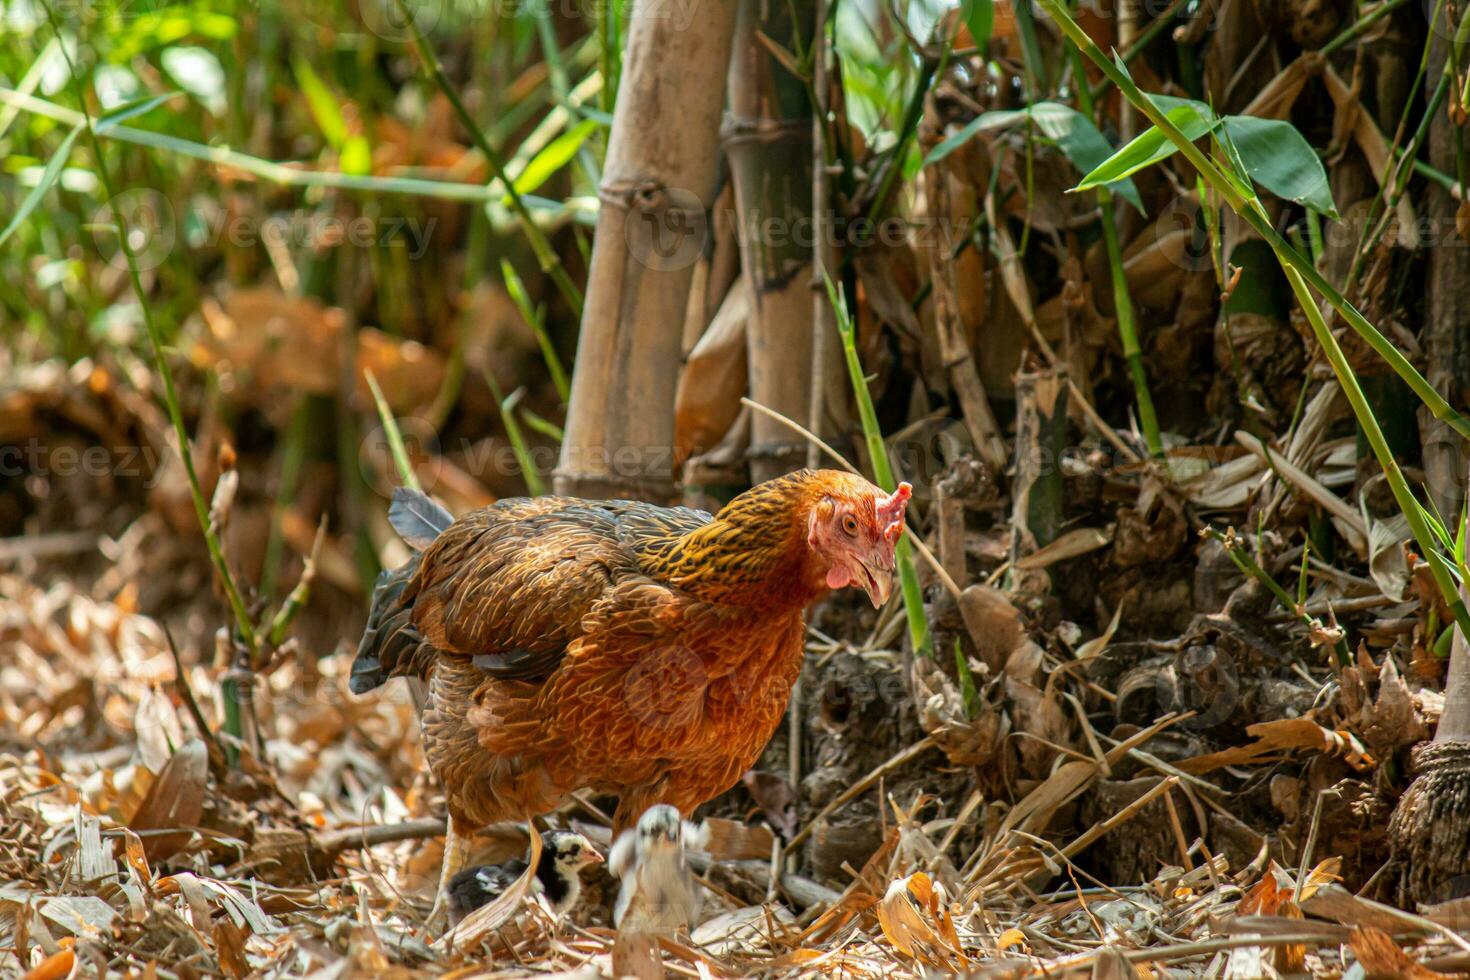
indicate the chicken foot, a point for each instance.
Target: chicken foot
{"x":456,"y":854}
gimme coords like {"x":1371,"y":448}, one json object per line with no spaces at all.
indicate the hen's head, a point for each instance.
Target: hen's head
{"x":853,"y":527}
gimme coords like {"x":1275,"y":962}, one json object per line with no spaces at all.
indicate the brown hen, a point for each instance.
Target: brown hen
{"x":613,"y":645}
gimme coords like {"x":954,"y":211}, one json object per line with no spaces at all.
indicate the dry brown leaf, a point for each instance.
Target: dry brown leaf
{"x":915,"y":918}
{"x":1012,"y":938}
{"x":1076,"y":542}
{"x":994,"y":622}
{"x":485,"y":920}
{"x":409,"y":373}
{"x":733,"y":840}
{"x":175,"y":801}
{"x":1282,"y":735}
{"x":264,"y":338}
{"x":1382,"y":959}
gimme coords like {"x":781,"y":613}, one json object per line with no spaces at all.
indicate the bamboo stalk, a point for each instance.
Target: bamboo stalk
{"x":658,"y":183}
{"x":767,"y":139}
{"x":823,"y":266}
{"x":1447,"y":309}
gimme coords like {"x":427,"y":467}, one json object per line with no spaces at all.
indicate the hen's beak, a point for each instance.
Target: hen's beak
{"x":591,"y":857}
{"x":877,"y":583}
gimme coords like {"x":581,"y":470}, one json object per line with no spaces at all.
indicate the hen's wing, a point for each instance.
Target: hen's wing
{"x":509,"y":585}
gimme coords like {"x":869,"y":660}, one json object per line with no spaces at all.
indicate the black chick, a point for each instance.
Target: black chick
{"x":563,"y":854}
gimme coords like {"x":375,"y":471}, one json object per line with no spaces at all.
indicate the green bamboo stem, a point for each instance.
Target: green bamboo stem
{"x":1128,"y":331}
{"x":288,"y":175}
{"x":1410,"y":506}
{"x":1289,"y":256}
{"x":1248,"y":566}
{"x":534,"y":484}
{"x":1300,"y":273}
{"x":170,"y":393}
{"x":1378,"y":223}
{"x":395,"y":437}
{"x":908,"y":577}
{"x":1357,"y":27}
{"x":546,"y":256}
{"x":1122,"y":300}
{"x":607,"y":52}
{"x":1142,"y":41}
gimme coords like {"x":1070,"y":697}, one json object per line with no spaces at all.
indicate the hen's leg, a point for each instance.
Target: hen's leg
{"x":457,"y":840}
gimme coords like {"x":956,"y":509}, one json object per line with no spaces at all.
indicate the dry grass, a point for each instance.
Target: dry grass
{"x":129,"y":849}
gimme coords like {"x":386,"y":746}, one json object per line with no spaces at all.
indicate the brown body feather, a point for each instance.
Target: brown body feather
{"x":611,"y":645}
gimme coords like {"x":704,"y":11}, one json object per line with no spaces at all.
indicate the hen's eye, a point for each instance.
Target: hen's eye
{"x":849,"y":524}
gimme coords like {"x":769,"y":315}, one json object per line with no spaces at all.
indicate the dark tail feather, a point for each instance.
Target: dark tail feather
{"x":417,"y":518}
{"x":391,"y":646}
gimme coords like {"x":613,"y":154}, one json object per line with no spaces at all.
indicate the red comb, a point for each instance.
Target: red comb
{"x":890,"y":511}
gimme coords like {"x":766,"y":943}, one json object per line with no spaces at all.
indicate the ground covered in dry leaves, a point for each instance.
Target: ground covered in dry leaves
{"x":129,"y":845}
{"x":1147,"y":765}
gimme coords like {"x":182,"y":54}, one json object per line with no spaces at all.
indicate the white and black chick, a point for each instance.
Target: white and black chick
{"x":564,"y":854}
{"x":658,"y":894}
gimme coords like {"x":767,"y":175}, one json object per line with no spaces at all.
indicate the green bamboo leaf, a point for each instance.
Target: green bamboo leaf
{"x":129,"y":110}
{"x":1193,"y":119}
{"x":1435,"y":520}
{"x":356,"y":156}
{"x":545,"y":426}
{"x":48,"y":177}
{"x":555,"y":155}
{"x":1460,"y":534}
{"x":1072,"y":132}
{"x":536,"y":320}
{"x":395,"y":436}
{"x":323,"y":103}
{"x":980,"y":18}
{"x":1082,"y":143}
{"x":997,"y":119}
{"x":1280,"y":159}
